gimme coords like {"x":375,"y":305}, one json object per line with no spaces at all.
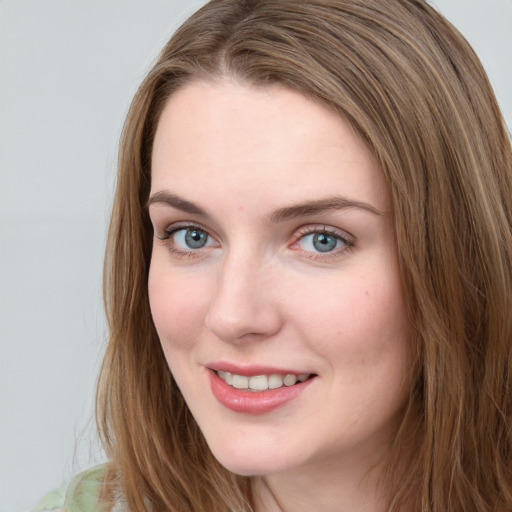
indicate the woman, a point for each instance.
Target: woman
{"x":309,"y":268}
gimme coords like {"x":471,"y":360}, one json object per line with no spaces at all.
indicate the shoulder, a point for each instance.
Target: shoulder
{"x":81,"y":495}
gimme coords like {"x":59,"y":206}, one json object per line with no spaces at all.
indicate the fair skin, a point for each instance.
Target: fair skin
{"x":243,"y":280}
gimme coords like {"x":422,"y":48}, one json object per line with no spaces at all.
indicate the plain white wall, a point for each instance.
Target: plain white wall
{"x":68,"y":70}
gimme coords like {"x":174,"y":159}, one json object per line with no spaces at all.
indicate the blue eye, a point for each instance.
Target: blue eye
{"x":191,"y":238}
{"x":322,"y":242}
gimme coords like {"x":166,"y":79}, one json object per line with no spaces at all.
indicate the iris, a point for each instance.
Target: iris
{"x":324,"y":243}
{"x":195,"y":239}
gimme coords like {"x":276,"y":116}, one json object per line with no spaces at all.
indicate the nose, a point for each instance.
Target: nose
{"x":242,"y":307}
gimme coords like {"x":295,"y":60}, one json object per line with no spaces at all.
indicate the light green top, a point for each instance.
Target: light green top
{"x":81,"y":495}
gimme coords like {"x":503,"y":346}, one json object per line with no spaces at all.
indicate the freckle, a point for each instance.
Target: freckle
{"x":367,"y":292}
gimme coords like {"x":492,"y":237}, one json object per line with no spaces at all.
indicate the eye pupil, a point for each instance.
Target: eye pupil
{"x":323,"y":242}
{"x":195,"y":239}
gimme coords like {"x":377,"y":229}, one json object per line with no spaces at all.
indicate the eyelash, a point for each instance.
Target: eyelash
{"x":168,"y":233}
{"x":300,"y":235}
{"x":324,"y":230}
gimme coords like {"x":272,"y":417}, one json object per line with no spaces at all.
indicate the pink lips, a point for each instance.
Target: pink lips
{"x":253,"y":402}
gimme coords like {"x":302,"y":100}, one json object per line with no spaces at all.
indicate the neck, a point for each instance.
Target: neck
{"x":348,"y":487}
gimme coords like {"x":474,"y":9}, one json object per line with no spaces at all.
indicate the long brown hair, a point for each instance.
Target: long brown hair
{"x":416,"y":93}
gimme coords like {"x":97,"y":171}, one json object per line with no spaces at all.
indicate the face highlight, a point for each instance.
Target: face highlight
{"x":274,"y":283}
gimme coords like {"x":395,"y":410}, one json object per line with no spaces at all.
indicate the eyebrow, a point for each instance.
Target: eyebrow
{"x":286,"y":213}
{"x":176,"y":202}
{"x":320,"y":206}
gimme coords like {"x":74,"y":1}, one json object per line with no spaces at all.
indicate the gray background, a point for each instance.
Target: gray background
{"x":68,"y":70}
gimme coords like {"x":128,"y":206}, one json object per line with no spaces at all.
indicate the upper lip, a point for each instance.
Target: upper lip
{"x":252,"y":370}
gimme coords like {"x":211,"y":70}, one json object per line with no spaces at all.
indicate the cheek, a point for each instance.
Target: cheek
{"x":364,"y":335}
{"x":360,"y":317}
{"x":178,"y":306}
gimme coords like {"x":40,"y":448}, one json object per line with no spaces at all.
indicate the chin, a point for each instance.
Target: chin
{"x":245,"y":466}
{"x":250,"y":459}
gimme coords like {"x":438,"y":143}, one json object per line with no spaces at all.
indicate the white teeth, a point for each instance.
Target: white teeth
{"x":275,"y":381}
{"x":289,"y":380}
{"x":258,"y":383}
{"x":261,"y":382}
{"x":240,"y":382}
{"x":226,"y":377}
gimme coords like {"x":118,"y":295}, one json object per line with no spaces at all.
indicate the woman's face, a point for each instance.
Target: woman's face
{"x":274,"y":268}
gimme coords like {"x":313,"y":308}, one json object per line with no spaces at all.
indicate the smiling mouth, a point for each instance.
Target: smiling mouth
{"x":259,"y":383}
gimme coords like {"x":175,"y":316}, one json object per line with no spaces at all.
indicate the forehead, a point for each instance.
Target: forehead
{"x":270,"y":140}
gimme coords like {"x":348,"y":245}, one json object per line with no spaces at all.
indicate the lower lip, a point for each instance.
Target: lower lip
{"x":254,"y":402}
